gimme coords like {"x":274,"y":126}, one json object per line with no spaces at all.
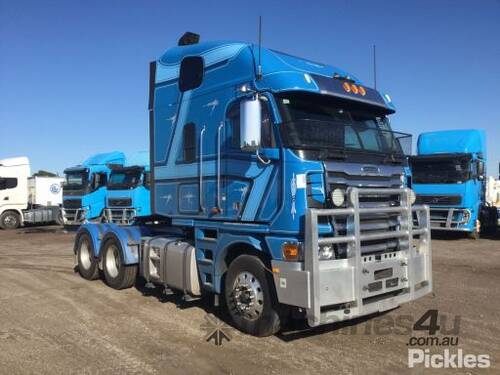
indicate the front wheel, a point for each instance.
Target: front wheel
{"x":249,"y":297}
{"x":10,"y":220}
{"x":118,"y":275}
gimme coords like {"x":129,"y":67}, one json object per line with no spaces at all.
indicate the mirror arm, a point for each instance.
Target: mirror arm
{"x":265,"y":162}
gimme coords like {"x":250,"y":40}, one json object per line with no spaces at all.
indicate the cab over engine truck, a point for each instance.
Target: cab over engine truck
{"x":449,"y":175}
{"x":84,"y":195}
{"x":279,"y":185}
{"x":25,"y":199}
{"x":128,"y":190}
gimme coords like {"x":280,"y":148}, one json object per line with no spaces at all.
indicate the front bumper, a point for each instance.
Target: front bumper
{"x":360,"y":284}
{"x":120,"y":216}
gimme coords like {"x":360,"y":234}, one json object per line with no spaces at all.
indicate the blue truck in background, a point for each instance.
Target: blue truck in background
{"x":84,"y":191}
{"x":449,"y":175}
{"x":128,"y":193}
{"x":277,"y":183}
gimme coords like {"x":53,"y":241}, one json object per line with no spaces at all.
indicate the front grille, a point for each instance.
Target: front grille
{"x":439,"y":200}
{"x":119,"y":202}
{"x":389,"y":177}
{"x":72,"y":203}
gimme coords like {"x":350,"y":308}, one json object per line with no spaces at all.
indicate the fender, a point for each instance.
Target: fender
{"x":225,"y":243}
{"x":94,"y":231}
{"x":129,"y":239}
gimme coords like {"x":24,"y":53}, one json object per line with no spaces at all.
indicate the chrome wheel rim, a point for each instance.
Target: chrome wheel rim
{"x":85,"y":259}
{"x":113,"y":261}
{"x":247,"y":297}
{"x":10,"y":221}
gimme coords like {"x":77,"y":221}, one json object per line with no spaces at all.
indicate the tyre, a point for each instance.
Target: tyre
{"x":117,"y":274}
{"x":250,"y":297}
{"x":87,"y":263}
{"x":474,"y":235}
{"x":10,"y":220}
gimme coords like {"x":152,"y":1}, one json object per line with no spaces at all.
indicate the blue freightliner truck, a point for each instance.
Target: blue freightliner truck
{"x":449,"y":175}
{"x":128,"y":193}
{"x":84,"y":191}
{"x":277,"y":183}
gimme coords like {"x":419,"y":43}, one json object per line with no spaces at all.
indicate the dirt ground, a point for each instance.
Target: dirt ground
{"x":54,"y":322}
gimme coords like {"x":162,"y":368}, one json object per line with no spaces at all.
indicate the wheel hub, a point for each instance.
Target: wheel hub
{"x":247,"y":297}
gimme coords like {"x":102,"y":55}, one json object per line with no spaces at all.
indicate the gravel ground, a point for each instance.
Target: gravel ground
{"x":52,"y":321}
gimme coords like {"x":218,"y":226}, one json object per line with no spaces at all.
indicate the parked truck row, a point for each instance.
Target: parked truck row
{"x":276,"y":183}
{"x":107,"y":187}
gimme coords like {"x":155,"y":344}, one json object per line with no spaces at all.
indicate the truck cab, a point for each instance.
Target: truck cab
{"x":449,"y":175}
{"x":277,"y":182}
{"x":128,"y":191}
{"x":84,"y":193}
{"x":25,"y":199}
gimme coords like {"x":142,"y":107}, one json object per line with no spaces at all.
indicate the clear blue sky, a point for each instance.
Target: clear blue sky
{"x":74,"y":74}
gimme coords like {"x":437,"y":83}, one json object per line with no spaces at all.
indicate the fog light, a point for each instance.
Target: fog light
{"x":326,"y":252}
{"x":338,"y":197}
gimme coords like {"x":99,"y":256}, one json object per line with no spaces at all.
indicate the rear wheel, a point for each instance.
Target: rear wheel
{"x":249,"y":297}
{"x":87,"y":263}
{"x":10,"y":220}
{"x":118,"y":275}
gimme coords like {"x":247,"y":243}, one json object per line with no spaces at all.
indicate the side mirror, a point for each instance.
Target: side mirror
{"x":480,"y":170}
{"x":250,"y":123}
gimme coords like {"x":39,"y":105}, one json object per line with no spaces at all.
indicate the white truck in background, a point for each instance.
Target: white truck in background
{"x":493,"y":194}
{"x":25,"y":199}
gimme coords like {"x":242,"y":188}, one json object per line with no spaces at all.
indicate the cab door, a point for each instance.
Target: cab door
{"x":249,"y":183}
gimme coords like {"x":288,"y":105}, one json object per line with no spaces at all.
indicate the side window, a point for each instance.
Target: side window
{"x":189,"y":143}
{"x":103,"y":179}
{"x":8,"y":183}
{"x":191,"y":73}
{"x":267,"y":135}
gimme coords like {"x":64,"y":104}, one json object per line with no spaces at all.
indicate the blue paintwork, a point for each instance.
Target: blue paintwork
{"x":263,"y":206}
{"x":468,"y":141}
{"x":94,"y":201}
{"x":139,"y":195}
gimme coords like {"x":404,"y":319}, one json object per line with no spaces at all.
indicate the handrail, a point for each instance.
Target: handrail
{"x":219,"y":208}
{"x":200,"y":190}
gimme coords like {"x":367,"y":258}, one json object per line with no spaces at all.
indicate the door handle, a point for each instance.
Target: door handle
{"x":6,"y":199}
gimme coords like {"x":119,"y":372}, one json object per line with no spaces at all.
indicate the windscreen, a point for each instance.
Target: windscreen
{"x":124,"y":179}
{"x":76,"y":180}
{"x":319,"y":122}
{"x":450,"y":170}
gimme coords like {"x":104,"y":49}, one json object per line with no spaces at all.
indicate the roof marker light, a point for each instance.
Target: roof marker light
{"x":354,"y":89}
{"x":362,"y":90}
{"x":346,"y":86}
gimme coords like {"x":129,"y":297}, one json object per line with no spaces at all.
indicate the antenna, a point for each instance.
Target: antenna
{"x":375,"y":66}
{"x":259,"y":67}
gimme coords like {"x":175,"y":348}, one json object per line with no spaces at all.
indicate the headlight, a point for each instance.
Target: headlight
{"x":338,"y":197}
{"x":326,"y":252}
{"x":413,"y":197}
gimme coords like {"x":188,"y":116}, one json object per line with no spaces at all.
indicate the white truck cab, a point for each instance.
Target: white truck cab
{"x":25,"y":199}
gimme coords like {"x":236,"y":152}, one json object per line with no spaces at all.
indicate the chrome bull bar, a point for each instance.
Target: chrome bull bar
{"x":411,"y":264}
{"x":361,"y":283}
{"x":74,"y":216}
{"x":447,"y":220}
{"x":120,"y":216}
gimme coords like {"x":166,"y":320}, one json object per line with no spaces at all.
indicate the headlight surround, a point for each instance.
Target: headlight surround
{"x":326,"y":252}
{"x":338,"y":197}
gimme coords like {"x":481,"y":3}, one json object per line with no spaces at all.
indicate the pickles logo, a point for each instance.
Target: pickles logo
{"x":432,"y":323}
{"x":216,"y":330}
{"x":55,"y":188}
